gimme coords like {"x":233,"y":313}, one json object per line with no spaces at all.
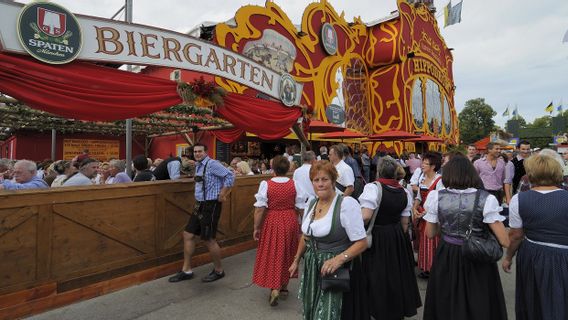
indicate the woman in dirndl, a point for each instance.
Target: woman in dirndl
{"x":459,"y":287}
{"x":429,"y":180}
{"x":539,"y":232}
{"x":277,"y":231}
{"x":333,"y":236}
{"x":389,"y":263}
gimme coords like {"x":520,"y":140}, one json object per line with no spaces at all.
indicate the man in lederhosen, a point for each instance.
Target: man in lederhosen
{"x":213,"y":183}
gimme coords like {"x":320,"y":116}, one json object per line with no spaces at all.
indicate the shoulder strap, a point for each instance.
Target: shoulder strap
{"x":375,"y":212}
{"x":475,"y":205}
{"x":312,"y":204}
{"x":336,"y":212}
{"x":434,"y":184}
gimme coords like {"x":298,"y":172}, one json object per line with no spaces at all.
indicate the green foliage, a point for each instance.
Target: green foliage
{"x":476,"y":120}
{"x":542,"y":122}
{"x":522,"y":121}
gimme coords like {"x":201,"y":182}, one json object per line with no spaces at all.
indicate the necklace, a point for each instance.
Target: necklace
{"x":320,"y":208}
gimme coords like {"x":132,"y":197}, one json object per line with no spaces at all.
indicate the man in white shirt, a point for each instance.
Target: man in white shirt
{"x":87,"y":171}
{"x":304,"y":186}
{"x":346,"y":178}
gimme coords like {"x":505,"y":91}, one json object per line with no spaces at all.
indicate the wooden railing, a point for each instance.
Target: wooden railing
{"x":65,"y":239}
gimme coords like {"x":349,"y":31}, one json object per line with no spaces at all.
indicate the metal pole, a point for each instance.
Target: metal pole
{"x":53,"y":143}
{"x":128,"y":18}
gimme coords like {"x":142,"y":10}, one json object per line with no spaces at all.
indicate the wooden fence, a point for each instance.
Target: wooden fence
{"x":56,"y":244}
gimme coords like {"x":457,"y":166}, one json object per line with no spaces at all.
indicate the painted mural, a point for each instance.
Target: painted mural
{"x":396,"y":74}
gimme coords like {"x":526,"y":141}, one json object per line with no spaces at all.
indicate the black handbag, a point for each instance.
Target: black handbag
{"x":480,"y":244}
{"x":337,"y":281}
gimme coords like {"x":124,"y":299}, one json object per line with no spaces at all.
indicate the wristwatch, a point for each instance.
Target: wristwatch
{"x":345,"y":256}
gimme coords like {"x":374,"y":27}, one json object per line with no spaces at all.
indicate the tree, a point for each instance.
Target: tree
{"x":542,"y":122}
{"x":522,"y":121}
{"x":476,"y":120}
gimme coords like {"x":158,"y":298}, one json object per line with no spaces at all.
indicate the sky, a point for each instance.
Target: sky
{"x":509,"y":52}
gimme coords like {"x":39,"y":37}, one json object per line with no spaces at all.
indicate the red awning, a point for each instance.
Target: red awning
{"x":425,"y":138}
{"x":346,"y":134}
{"x":85,"y":91}
{"x":392,"y":135}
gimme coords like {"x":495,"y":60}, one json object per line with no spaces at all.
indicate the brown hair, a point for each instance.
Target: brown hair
{"x":280,"y":165}
{"x":543,"y":170}
{"x":434,"y":158}
{"x":325,"y":166}
{"x":459,"y":173}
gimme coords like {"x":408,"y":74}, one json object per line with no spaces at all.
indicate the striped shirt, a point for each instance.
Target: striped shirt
{"x":216,"y":177}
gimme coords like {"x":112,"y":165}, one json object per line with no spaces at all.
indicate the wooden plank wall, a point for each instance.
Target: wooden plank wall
{"x":67,"y":239}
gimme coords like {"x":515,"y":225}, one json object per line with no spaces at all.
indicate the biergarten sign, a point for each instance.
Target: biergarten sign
{"x":106,"y":40}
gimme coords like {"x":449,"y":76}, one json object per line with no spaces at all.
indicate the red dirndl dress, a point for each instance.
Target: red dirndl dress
{"x":279,"y":237}
{"x":426,"y":247}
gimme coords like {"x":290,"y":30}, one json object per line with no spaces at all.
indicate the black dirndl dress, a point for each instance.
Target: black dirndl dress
{"x":463,"y":289}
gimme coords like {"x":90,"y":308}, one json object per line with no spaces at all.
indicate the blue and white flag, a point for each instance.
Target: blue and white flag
{"x":452,"y":15}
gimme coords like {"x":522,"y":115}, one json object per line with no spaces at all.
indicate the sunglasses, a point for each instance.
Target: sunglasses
{"x":198,"y":178}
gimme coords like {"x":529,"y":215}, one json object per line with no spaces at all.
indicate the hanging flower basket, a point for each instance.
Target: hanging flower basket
{"x":201,"y":93}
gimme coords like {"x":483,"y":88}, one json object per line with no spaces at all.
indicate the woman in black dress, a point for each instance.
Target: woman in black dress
{"x":460,"y":288}
{"x":539,"y":230}
{"x":389,"y":263}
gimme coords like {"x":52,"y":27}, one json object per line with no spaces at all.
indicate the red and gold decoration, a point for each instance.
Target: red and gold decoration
{"x":201,"y":93}
{"x":395,"y":75}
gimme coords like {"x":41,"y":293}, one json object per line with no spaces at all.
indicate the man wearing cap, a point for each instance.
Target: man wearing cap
{"x":24,"y":174}
{"x":213,"y":183}
{"x":87,"y":171}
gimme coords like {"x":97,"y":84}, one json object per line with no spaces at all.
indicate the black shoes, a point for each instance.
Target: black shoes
{"x":213,"y":276}
{"x":180,"y":276}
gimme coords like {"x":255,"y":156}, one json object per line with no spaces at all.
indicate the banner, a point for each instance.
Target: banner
{"x":102,"y":150}
{"x":106,"y":40}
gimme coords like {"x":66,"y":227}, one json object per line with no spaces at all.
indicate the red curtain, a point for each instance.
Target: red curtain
{"x":269,"y":120}
{"x":85,"y":91}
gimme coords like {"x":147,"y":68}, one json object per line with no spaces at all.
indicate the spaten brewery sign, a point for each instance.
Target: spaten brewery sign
{"x":49,"y":32}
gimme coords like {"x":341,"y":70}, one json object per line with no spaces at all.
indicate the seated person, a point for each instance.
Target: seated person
{"x":140,"y":164}
{"x":116,"y":169}
{"x":24,"y":177}
{"x":87,"y":171}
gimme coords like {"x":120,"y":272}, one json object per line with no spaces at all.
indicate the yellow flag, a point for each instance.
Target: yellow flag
{"x":549,"y":108}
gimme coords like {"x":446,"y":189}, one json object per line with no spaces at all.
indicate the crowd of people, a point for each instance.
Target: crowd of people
{"x":447,"y":198}
{"x":85,"y":170}
{"x":354,"y":229}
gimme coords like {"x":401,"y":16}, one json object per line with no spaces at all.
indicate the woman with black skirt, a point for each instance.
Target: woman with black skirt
{"x":389,"y":263}
{"x":539,"y":231}
{"x":460,"y":288}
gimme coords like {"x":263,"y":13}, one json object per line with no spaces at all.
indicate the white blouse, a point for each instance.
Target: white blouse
{"x":491,"y":208}
{"x":421,"y":185}
{"x":262,"y":194}
{"x":350,"y":217}
{"x":368,"y":199}
{"x":515,"y":220}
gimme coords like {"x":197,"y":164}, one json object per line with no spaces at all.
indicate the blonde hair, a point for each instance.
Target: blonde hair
{"x":543,"y":170}
{"x":244,"y":166}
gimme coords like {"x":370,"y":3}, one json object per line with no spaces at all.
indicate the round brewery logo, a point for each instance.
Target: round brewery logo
{"x":288,"y":90}
{"x":335,"y":114}
{"x":49,"y":32}
{"x":329,"y":38}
